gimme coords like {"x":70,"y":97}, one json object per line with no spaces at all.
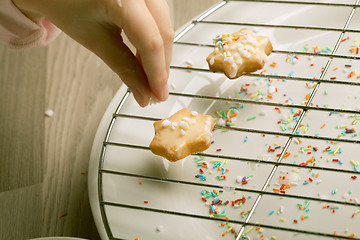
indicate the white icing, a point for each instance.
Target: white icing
{"x":184,"y":125}
{"x":192,"y":121}
{"x":239,"y":61}
{"x":209,"y":135}
{"x":244,"y":42}
{"x":256,"y":43}
{"x":186,"y":119}
{"x":229,"y":59}
{"x":249,"y":48}
{"x":245,"y":54}
{"x":173,"y":125}
{"x":234,"y":70}
{"x":264,"y":57}
{"x":182,"y":132}
{"x":165,"y":123}
{"x":236,"y":55}
{"x":252,"y":41}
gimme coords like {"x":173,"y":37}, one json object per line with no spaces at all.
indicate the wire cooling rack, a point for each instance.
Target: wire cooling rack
{"x":291,"y":151}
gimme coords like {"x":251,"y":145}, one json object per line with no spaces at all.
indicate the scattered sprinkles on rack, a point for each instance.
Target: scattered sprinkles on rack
{"x":311,"y":155}
{"x":218,"y":165}
{"x":218,"y":207}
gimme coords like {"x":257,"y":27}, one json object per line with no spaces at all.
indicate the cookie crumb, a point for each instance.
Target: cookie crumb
{"x":49,"y":113}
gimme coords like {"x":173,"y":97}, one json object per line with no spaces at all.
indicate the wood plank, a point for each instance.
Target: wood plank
{"x":79,"y":88}
{"x":21,"y":213}
{"x":22,"y":101}
{"x":41,"y":184}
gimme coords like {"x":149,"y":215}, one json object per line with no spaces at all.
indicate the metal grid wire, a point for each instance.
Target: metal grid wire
{"x":290,"y":136}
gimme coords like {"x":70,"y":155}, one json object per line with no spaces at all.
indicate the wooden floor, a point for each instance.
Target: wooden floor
{"x":43,"y":191}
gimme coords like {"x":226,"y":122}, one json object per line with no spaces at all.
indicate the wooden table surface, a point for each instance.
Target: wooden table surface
{"x":43,"y":191}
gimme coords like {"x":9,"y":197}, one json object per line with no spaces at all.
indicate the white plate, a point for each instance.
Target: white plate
{"x":58,"y":238}
{"x":144,"y":196}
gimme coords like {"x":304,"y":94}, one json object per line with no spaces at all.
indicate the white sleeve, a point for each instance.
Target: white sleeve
{"x":18,"y":31}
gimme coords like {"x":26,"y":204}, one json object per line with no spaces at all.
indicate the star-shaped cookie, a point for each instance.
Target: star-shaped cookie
{"x":239,"y":53}
{"x":184,"y":133}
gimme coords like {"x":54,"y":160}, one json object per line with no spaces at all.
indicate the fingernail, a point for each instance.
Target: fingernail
{"x":164,"y":94}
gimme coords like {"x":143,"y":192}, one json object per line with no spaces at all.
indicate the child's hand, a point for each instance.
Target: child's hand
{"x":97,"y":25}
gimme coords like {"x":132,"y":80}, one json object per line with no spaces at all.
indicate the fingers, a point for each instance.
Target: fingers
{"x":160,"y":12}
{"x":107,"y":43}
{"x":137,"y":21}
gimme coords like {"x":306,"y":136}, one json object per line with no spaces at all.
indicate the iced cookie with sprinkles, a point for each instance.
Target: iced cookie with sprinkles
{"x":184,"y":133}
{"x":239,"y":53}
